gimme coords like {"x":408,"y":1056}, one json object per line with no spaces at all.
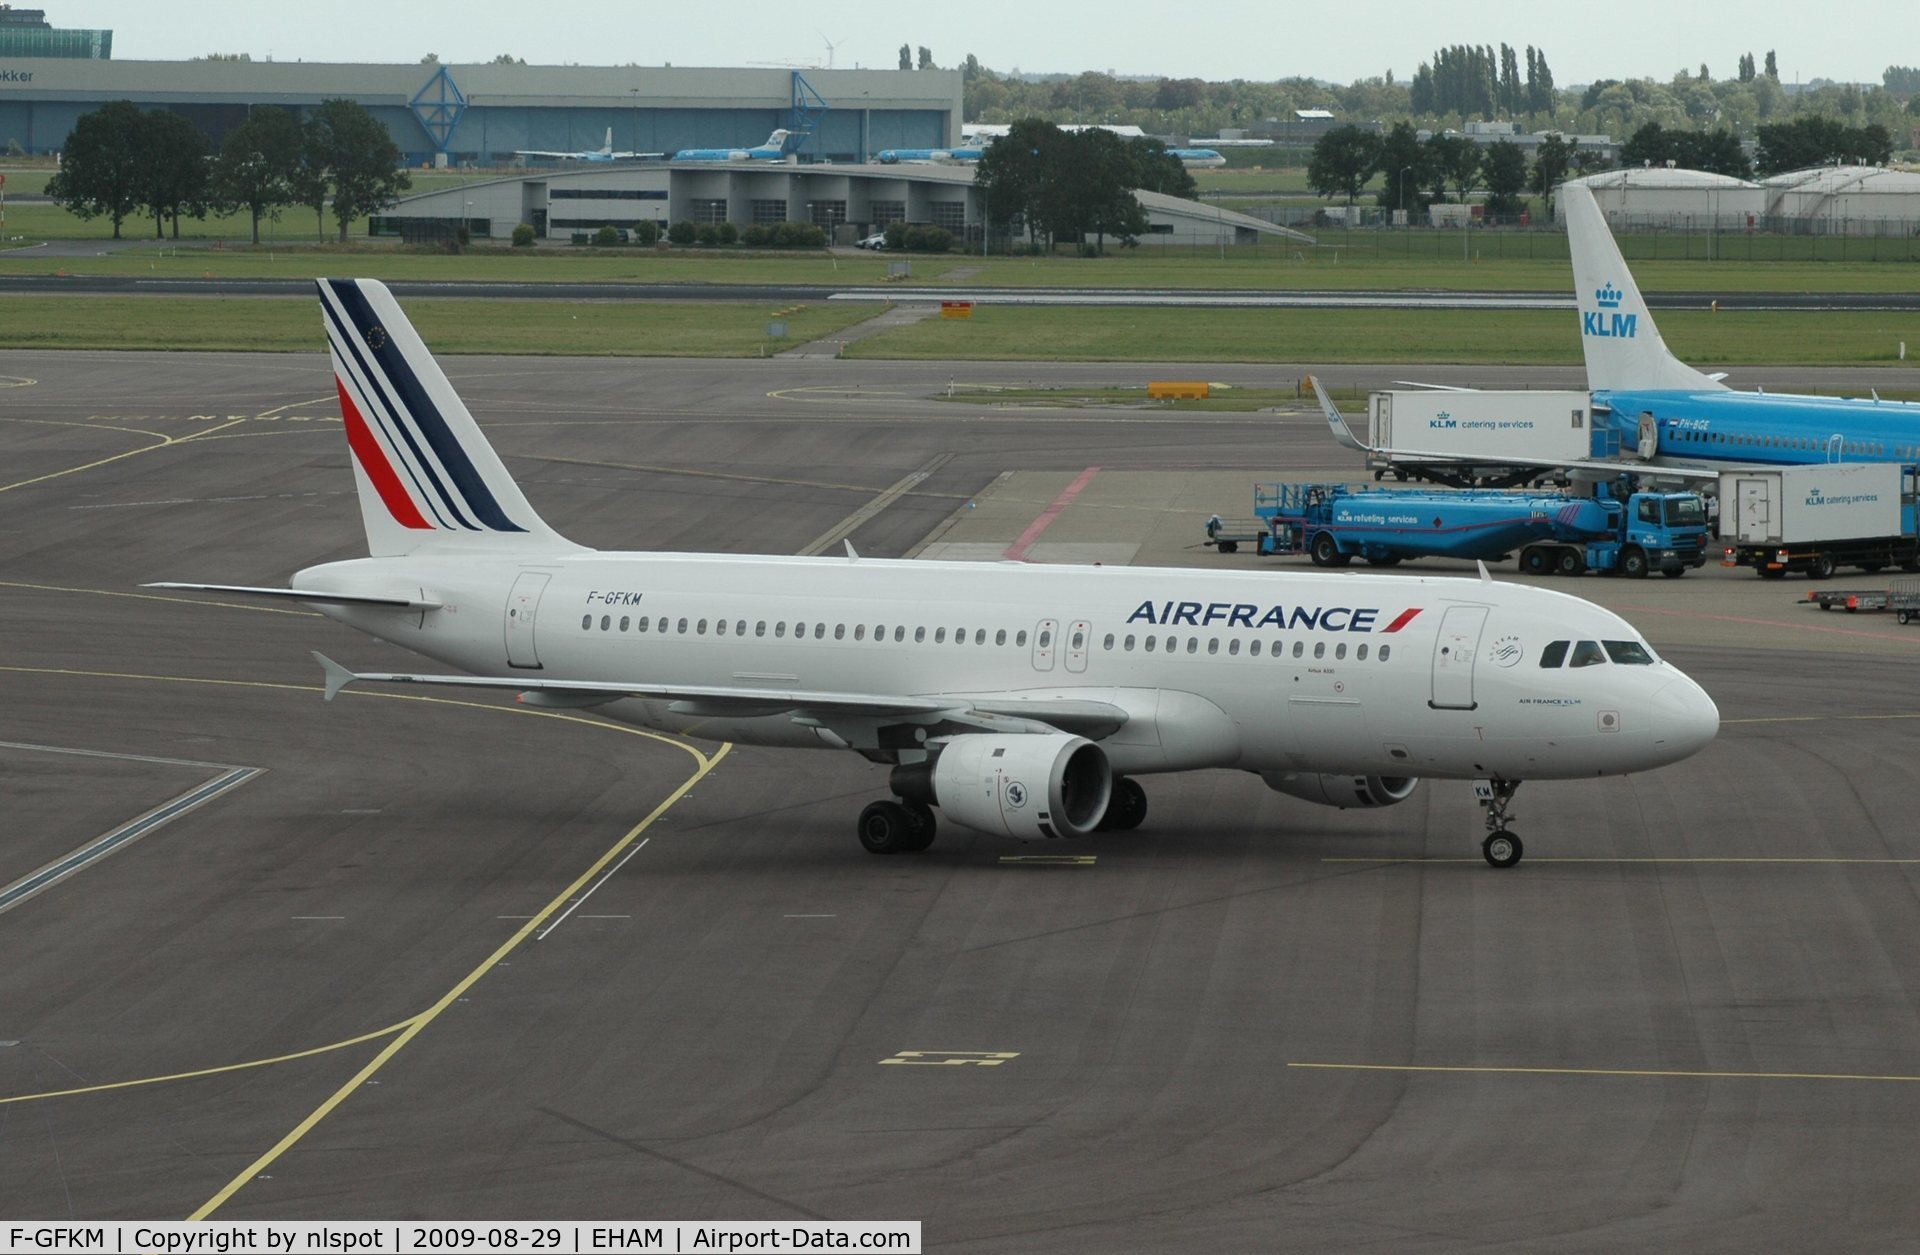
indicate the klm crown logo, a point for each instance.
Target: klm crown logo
{"x":1609,"y":297}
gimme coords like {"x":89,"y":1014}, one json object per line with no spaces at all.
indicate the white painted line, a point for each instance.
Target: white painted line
{"x":542,"y":934}
{"x":809,"y":917}
{"x":606,"y":917}
{"x":318,"y":917}
{"x":131,"y":758}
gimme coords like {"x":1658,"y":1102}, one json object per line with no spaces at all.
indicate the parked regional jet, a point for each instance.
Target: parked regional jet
{"x":603,"y":153}
{"x":929,"y":156}
{"x":1197,"y":158}
{"x":1021,"y":700}
{"x":778,"y":145}
{"x":1675,"y":421}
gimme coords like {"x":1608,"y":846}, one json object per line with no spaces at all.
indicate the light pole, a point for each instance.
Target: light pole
{"x":633,"y":94}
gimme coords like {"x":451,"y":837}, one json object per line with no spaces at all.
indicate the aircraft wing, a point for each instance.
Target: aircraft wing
{"x":1086,"y":718}
{"x":1667,"y":467}
{"x":398,"y":601}
{"x":535,"y":152}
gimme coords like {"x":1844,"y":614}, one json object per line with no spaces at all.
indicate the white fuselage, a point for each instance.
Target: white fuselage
{"x":1263,"y":671}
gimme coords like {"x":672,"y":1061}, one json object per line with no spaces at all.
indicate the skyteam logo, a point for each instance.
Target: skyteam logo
{"x":1609,"y":325}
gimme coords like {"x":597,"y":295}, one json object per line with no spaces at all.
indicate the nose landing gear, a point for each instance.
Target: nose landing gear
{"x":1501,"y":847}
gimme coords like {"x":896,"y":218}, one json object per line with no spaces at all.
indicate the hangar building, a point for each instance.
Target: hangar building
{"x":858,"y":197}
{"x":1847,"y":200}
{"x":479,"y":114}
{"x":1825,"y":200}
{"x":1657,"y":198}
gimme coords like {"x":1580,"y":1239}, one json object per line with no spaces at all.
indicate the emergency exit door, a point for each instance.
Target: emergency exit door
{"x":523,"y":606}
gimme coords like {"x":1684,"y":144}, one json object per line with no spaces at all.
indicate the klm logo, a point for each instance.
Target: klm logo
{"x":1443,"y":421}
{"x":1609,"y":325}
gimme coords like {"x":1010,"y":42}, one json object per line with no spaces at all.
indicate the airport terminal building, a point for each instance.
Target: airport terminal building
{"x":480,"y":114}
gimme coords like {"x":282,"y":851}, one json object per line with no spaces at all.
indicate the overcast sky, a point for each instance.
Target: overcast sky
{"x":1218,"y":40}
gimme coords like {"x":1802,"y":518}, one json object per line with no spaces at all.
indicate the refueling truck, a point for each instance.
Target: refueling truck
{"x":1615,"y":530}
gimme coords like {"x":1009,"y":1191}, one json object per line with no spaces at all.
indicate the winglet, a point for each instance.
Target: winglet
{"x":338,"y":677}
{"x":851,"y":555}
{"x":1486,"y":576}
{"x":1342,"y":435}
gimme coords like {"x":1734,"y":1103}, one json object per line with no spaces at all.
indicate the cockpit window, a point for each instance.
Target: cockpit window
{"x":1587,"y":654}
{"x":1554,"y":654}
{"x":1629,"y":653}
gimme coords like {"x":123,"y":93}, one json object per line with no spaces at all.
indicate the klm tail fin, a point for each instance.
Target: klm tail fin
{"x":426,"y":476}
{"x":1623,"y":348}
{"x":607,"y":148}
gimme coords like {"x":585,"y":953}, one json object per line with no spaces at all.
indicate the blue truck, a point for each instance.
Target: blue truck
{"x":1614,"y":530}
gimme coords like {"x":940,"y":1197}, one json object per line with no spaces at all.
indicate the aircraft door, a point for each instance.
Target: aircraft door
{"x":523,"y":605}
{"x":1756,"y":511}
{"x":1453,"y":656}
{"x":1079,"y":642}
{"x":1044,"y":644}
{"x":1836,"y":447}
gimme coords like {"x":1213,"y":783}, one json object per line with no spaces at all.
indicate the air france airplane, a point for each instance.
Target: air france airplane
{"x":1023,"y":701}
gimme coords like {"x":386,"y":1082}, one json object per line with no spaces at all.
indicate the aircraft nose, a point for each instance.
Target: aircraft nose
{"x":1683,"y":718}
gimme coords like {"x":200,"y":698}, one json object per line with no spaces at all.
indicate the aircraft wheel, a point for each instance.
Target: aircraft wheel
{"x":1569,"y":562}
{"x":1501,"y":848}
{"x":924,"y":827}
{"x":1633,"y":562}
{"x":1127,"y":809}
{"x":887,"y":828}
{"x":1534,"y":560}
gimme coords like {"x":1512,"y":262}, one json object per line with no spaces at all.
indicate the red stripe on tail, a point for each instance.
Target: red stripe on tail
{"x":367,"y":451}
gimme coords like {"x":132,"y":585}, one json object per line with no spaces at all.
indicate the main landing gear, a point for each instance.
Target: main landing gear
{"x":1501,"y":848}
{"x":1126,"y":808}
{"x":897,"y":827}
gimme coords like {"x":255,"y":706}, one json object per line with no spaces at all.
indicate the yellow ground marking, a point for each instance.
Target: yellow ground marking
{"x":1678,"y":859}
{"x":165,"y":440}
{"x":1049,"y":860}
{"x":951,"y":1058}
{"x":1639,"y":1072}
{"x":376,"y":1035}
{"x":322,"y":399}
{"x":418,"y":1024}
{"x":17,"y":381}
{"x":190,"y":601}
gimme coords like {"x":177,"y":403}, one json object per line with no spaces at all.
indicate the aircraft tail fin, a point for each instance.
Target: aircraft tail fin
{"x":1623,"y":348}
{"x":427,"y":477}
{"x":606,"y":149}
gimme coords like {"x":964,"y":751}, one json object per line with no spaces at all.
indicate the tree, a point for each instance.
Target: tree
{"x":926,"y":58}
{"x":1773,"y":67}
{"x":906,"y":57}
{"x":226,"y":56}
{"x":1455,"y":160}
{"x":1540,"y":90}
{"x":98,"y":175}
{"x":1343,"y":160}
{"x":507,"y":58}
{"x":258,"y":164}
{"x":1902,"y":80}
{"x":359,"y":160}
{"x":1088,"y":189}
{"x":1403,"y":161}
{"x":1747,"y":72}
{"x":1504,"y":169}
{"x":432,"y":58}
{"x":172,"y":170}
{"x":1550,"y":162}
{"x":1510,"y":100}
{"x":1011,"y":172}
{"x":1157,"y":170}
{"x":1815,"y":141}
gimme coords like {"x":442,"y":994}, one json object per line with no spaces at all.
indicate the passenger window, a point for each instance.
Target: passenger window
{"x":1000,"y":637}
{"x":839,"y":631}
{"x":606,"y":620}
{"x":719,"y":627}
{"x":701,"y":627}
{"x":1128,"y":644}
{"x":919,"y":635}
{"x":1254,"y":647}
{"x":779,"y":627}
{"x":1109,"y":641}
{"x":1360,"y":654}
{"x":623,"y":623}
{"x":1020,"y":638}
{"x":859,"y":631}
{"x":939,"y":636}
{"x":740,"y":628}
{"x":1385,"y":651}
{"x":681,"y":627}
{"x":1299,"y":649}
{"x":1147,"y":644}
{"x":899,"y":634}
{"x":1587,"y":654}
{"x":799,"y":630}
{"x":1079,"y":639}
{"x":1046,"y":639}
{"x":1319,"y":649}
{"x":641,"y":626}
{"x":1193,"y":644}
{"x":1213,"y":645}
{"x":760,"y":627}
{"x":1554,"y":654}
{"x":979,"y":636}
{"x":586,"y":622}
{"x":1340,"y":650}
{"x":1629,"y":653}
{"x":1233,"y":646}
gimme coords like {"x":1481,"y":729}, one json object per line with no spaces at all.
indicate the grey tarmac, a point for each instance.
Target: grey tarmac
{"x":1690,"y":1019}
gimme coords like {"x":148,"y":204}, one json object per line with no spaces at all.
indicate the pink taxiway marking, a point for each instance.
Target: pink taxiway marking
{"x":1018,"y":549}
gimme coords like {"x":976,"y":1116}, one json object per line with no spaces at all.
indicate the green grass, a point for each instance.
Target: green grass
{"x":1478,"y":336}
{"x":1224,"y":398}
{"x":1278,"y":181}
{"x":620,"y":329}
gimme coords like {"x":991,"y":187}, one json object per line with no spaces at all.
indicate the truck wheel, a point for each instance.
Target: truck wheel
{"x":1533,"y":560}
{"x":1905,"y":617}
{"x":1673,"y":572}
{"x":1822,"y":567}
{"x":1326,"y":551}
{"x":1633,"y":562}
{"x":1569,"y":562}
{"x":1228,"y":546}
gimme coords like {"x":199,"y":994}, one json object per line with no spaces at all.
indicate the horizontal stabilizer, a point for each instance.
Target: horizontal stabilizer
{"x":396,"y":602}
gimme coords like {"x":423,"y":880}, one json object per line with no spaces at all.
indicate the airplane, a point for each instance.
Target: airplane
{"x":1678,"y":423}
{"x":778,"y":145}
{"x":603,"y":153}
{"x":1023,"y":701}
{"x":928,"y":156}
{"x":1197,"y":158}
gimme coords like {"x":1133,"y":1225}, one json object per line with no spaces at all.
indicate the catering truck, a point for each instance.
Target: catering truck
{"x":1615,"y":530}
{"x":1819,"y":517}
{"x":1470,"y":438}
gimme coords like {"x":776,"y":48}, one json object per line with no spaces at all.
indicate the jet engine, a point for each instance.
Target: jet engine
{"x":1025,"y":786}
{"x":1342,"y":791}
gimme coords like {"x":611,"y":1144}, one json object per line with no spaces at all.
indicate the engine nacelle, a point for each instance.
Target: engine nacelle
{"x":1023,"y":786}
{"x":1342,"y":791}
